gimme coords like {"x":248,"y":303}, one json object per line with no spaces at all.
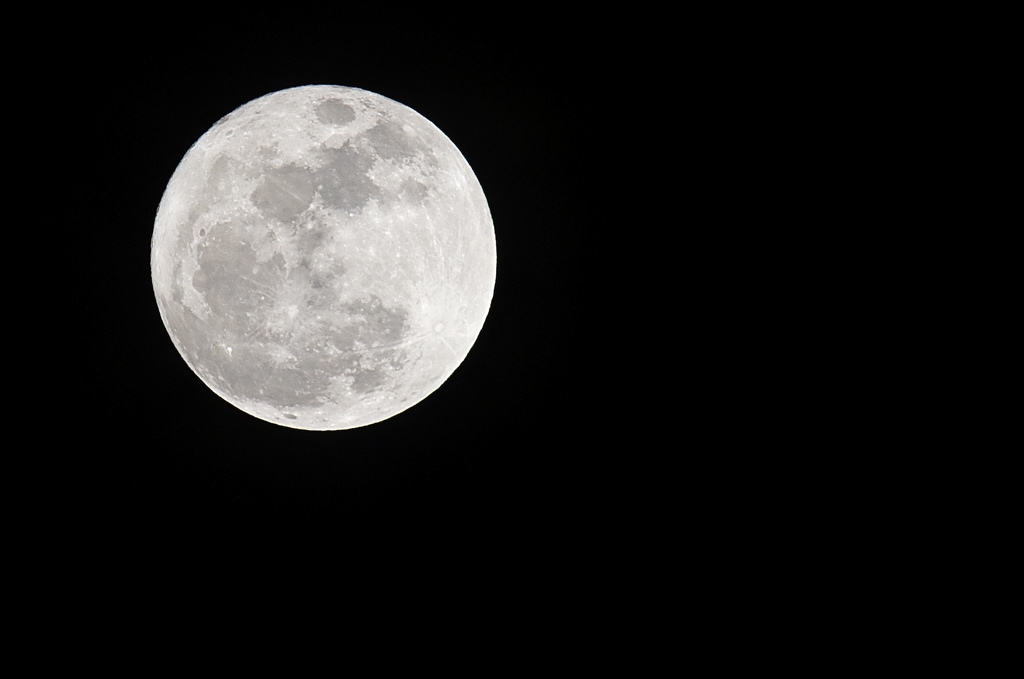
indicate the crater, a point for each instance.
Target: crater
{"x":413,"y":191}
{"x":390,"y":141}
{"x":334,"y":112}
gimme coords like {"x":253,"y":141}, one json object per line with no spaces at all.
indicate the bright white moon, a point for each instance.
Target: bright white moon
{"x":323,"y":258}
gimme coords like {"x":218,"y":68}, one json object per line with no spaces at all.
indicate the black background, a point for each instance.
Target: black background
{"x":589,"y":437}
{"x":517,"y":447}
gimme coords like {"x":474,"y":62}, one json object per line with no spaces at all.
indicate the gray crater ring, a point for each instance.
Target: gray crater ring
{"x":323,"y":258}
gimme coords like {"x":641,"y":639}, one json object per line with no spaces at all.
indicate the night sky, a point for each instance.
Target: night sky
{"x":512,"y":447}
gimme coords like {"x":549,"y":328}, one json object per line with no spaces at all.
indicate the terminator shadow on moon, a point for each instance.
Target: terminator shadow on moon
{"x":323,"y":258}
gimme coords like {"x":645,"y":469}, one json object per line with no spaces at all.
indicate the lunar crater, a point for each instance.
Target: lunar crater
{"x":335,"y":112}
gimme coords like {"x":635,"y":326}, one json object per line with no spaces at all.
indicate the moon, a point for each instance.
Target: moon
{"x":323,"y":258}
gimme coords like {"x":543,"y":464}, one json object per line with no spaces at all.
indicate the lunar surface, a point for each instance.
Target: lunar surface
{"x":323,"y":258}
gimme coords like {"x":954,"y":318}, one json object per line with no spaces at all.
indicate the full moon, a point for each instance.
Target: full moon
{"x":323,"y":258}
